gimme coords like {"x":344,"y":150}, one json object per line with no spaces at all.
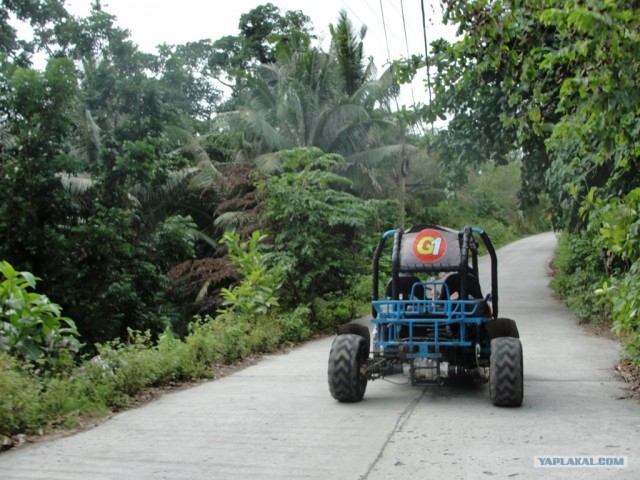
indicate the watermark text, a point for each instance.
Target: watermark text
{"x":580,"y":461}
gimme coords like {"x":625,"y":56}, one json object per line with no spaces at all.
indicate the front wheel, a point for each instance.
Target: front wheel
{"x":347,"y":381}
{"x":506,"y":374}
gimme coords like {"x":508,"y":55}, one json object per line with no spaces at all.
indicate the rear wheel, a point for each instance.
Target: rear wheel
{"x":506,"y":373}
{"x":347,"y":381}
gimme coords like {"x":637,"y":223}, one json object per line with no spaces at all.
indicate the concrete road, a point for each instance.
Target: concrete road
{"x":276,"y":419}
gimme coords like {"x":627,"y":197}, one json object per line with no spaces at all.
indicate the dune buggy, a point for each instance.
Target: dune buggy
{"x":431,"y":328}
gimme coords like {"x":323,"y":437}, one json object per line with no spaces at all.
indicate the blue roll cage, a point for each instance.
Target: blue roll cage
{"x":401,"y":323}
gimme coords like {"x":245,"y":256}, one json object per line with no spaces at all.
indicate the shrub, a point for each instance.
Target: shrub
{"x":622,"y":293}
{"x":316,"y":222}
{"x":19,"y":406}
{"x":256,"y":293}
{"x":579,"y":272}
{"x":295,"y":325}
{"x":31,"y":326}
{"x":617,"y":221}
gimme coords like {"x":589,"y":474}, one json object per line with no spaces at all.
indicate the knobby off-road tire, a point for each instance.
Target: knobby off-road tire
{"x":346,"y":381}
{"x":505,"y":376}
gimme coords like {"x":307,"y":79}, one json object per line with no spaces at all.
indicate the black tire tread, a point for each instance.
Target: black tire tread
{"x":506,"y":387}
{"x":346,"y":381}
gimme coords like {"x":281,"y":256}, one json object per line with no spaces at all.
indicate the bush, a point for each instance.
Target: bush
{"x":295,"y":325}
{"x":31,"y":326}
{"x":579,"y":272}
{"x":123,"y":370}
{"x":316,"y":222}
{"x":256,"y":293}
{"x":617,"y":223}
{"x":19,"y":406}
{"x":32,"y":400}
{"x":335,"y":309}
{"x":622,"y":293}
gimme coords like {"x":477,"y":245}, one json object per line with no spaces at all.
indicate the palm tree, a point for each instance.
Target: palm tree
{"x":334,"y":101}
{"x":349,"y":50}
{"x":312,"y":98}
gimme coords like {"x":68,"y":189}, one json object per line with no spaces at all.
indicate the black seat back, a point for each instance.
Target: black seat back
{"x":405,"y":284}
{"x":454,"y":284}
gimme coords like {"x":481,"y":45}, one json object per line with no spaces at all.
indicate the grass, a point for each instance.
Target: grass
{"x":36,"y":401}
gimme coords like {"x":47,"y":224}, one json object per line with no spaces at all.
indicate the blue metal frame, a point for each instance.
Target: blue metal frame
{"x":393,"y":315}
{"x":397,"y":321}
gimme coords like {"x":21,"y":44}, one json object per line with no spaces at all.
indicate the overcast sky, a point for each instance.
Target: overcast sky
{"x":152,"y":22}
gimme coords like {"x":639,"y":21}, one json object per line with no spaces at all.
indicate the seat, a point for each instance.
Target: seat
{"x":454,"y":284}
{"x":405,"y":284}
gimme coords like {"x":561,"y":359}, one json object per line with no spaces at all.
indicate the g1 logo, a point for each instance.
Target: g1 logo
{"x":429,"y":246}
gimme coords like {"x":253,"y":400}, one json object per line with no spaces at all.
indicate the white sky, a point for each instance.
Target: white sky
{"x":152,"y":22}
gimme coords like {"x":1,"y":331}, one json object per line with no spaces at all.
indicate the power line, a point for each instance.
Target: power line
{"x":426,"y":56}
{"x":352,"y":12}
{"x":373,"y":10}
{"x":406,"y":41}
{"x":386,"y":39}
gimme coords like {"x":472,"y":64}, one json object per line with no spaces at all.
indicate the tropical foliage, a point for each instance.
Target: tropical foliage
{"x":31,"y":326}
{"x":136,"y":185}
{"x":553,"y":84}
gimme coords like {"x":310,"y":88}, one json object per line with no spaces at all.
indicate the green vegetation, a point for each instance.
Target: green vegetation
{"x":319,"y":225}
{"x":579,"y":273}
{"x":489,"y":200}
{"x":178,"y":226}
{"x":31,"y":327}
{"x":66,"y":395}
{"x":554,"y":85}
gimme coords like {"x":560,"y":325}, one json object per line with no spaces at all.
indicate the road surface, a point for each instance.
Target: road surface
{"x":276,"y":419}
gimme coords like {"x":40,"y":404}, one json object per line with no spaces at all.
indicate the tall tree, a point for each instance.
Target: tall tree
{"x":518,"y":82}
{"x":40,"y":15}
{"x":262,"y":31}
{"x":488,"y":86}
{"x":104,"y":242}
{"x":307,"y":99}
{"x":36,"y":116}
{"x":349,"y":50}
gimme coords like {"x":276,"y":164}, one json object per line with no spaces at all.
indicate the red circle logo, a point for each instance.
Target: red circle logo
{"x":429,"y":246}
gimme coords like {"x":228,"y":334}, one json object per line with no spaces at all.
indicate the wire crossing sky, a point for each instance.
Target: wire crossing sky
{"x":152,"y":22}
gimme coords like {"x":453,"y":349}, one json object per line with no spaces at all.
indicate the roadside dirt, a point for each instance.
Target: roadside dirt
{"x":624,"y":370}
{"x":630,"y":373}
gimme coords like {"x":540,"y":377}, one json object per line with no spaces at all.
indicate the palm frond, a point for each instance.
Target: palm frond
{"x":261,"y":96}
{"x":228,"y":220}
{"x":191,"y":146}
{"x":205,"y":177}
{"x":260,"y":127}
{"x":348,"y":50}
{"x":379,"y":91}
{"x":79,"y":186}
{"x":293,"y":113}
{"x":76,"y":184}
{"x":332,"y":120}
{"x":177,"y":134}
{"x":133,"y":201}
{"x":362,"y":177}
{"x":200,"y":235}
{"x":153,"y":195}
{"x":359,"y":137}
{"x":386,"y":156}
{"x":269,"y":163}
